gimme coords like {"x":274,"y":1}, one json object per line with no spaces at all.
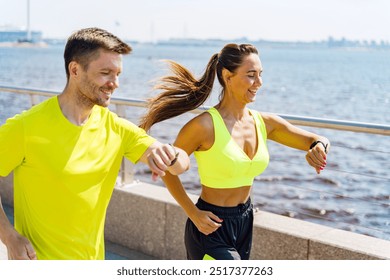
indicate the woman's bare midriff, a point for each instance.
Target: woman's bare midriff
{"x":225,"y":197}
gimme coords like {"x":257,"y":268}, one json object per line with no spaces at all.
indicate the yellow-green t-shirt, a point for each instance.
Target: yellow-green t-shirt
{"x":64,"y":176}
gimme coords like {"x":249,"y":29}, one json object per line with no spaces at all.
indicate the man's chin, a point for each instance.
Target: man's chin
{"x":104,"y":103}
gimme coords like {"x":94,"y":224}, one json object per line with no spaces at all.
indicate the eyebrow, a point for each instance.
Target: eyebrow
{"x":254,"y":71}
{"x":108,"y":69}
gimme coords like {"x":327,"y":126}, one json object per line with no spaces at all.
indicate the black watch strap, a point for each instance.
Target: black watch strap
{"x":322,"y":143}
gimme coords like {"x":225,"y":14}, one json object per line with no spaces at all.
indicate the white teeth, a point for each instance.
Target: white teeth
{"x":107,"y":93}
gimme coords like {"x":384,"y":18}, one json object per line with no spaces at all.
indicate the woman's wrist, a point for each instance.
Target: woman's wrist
{"x":315,"y":143}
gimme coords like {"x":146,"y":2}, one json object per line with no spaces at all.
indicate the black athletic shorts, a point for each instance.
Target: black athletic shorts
{"x":232,"y":241}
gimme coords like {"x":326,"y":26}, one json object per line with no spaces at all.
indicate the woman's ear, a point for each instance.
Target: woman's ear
{"x":226,"y":74}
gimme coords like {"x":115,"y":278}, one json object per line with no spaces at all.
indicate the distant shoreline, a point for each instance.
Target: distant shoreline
{"x":324,"y":44}
{"x":23,"y":44}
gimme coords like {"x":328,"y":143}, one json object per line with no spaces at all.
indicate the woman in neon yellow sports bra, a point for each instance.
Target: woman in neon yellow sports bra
{"x":229,"y":144}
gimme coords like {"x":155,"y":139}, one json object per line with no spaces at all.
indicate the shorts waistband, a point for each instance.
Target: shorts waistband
{"x":224,"y":212}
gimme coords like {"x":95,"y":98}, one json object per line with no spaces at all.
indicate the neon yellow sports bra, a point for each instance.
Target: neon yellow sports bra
{"x":225,"y":164}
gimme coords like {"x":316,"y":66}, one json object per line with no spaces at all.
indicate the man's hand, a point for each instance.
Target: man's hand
{"x":165,"y":157}
{"x":20,"y":248}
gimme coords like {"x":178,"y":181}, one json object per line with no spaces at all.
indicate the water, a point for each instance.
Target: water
{"x":353,"y":193}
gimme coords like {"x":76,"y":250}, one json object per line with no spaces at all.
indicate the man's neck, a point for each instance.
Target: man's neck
{"x":76,"y":112}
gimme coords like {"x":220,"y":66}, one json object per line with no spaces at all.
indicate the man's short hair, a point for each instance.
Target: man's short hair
{"x":83,"y":45}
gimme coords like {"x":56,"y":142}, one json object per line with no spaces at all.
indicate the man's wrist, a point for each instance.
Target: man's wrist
{"x":176,"y":156}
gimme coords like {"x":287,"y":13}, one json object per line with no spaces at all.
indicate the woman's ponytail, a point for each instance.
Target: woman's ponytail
{"x":181,"y":92}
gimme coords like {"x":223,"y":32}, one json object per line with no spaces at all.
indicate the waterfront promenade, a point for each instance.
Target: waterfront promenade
{"x":144,"y":222}
{"x":113,"y":252}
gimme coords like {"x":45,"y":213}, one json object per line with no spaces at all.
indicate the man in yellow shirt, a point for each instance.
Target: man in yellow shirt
{"x":66,"y":153}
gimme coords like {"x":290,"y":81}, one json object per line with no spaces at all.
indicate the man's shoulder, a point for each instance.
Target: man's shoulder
{"x":46,"y":105}
{"x":37,"y":111}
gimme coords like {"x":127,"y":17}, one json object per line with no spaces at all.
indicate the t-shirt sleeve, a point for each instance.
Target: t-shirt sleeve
{"x":11,"y":145}
{"x":136,"y":142}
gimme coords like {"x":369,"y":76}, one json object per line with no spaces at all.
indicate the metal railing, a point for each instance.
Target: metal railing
{"x":121,"y":103}
{"x":126,"y":174}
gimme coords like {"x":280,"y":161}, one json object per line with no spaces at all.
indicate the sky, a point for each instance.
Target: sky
{"x":152,"y":20}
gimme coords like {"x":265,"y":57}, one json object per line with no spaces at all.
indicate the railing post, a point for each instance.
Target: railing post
{"x":34,"y":99}
{"x":120,"y":110}
{"x":127,"y":168}
{"x":126,"y":172}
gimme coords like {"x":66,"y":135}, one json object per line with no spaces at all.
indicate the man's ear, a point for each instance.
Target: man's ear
{"x":73,"y":68}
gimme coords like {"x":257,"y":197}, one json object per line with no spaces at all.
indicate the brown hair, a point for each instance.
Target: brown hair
{"x":83,"y":45}
{"x":181,"y":92}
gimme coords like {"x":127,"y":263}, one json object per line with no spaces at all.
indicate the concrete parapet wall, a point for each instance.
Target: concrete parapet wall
{"x":153,"y":223}
{"x":145,"y":218}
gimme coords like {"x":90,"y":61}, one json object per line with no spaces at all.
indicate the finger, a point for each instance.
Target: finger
{"x":155,"y":167}
{"x":310,"y":161}
{"x":166,"y":154}
{"x":172,"y":152}
{"x":214,"y":226}
{"x":20,"y":255}
{"x":214,"y":218}
{"x":319,"y":156}
{"x":31,"y":252}
{"x":158,"y":162}
{"x":318,"y":166}
{"x":319,"y":153}
{"x":154,"y":176}
{"x":316,"y":158}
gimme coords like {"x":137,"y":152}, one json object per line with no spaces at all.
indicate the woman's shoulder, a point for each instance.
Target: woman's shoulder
{"x":266,"y":116}
{"x":196,"y":133}
{"x":202,"y":122}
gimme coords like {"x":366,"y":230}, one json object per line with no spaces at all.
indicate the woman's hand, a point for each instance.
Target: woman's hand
{"x":316,"y":157}
{"x":206,"y":222}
